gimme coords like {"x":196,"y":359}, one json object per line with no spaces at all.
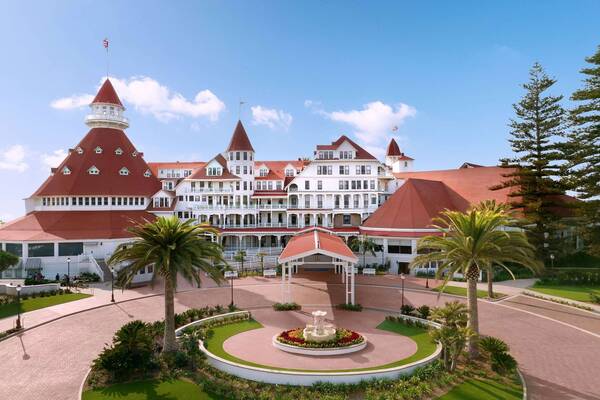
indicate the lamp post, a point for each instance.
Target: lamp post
{"x":69,"y":272}
{"x":402,"y":278}
{"x":231,"y":285}
{"x":427,"y":278}
{"x":18,"y":307}
{"x":112,"y":284}
{"x":552,"y":260}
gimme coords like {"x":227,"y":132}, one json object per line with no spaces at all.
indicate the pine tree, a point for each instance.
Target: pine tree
{"x":538,"y":123}
{"x":582,"y":150}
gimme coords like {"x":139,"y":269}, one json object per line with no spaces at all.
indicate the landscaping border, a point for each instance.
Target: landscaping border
{"x":297,"y":378}
{"x":308,"y":351}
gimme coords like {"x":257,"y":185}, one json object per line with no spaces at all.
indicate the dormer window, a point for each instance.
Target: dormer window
{"x":98,"y":150}
{"x":119,"y":151}
{"x":134,"y":154}
{"x":79,"y":150}
{"x":93,"y":170}
{"x":123,"y":171}
{"x":147,"y":174}
{"x":66,"y":171}
{"x":289,"y":172}
{"x":263,"y":172}
{"x":213,"y":171}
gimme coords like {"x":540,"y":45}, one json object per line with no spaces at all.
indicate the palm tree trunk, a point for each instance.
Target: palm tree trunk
{"x":490,"y":277}
{"x":169,"y":343}
{"x":473,"y":316}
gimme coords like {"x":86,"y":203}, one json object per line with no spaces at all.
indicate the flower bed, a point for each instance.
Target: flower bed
{"x":343,"y":338}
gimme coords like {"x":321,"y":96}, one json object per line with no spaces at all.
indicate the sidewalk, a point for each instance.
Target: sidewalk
{"x":511,"y":288}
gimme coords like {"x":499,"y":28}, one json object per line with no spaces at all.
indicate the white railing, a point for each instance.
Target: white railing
{"x":105,"y":117}
{"x":209,"y":190}
{"x":96,"y":267}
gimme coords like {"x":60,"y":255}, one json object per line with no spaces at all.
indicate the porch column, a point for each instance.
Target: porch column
{"x":352,"y":287}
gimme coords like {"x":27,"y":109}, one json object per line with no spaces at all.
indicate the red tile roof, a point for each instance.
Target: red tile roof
{"x":72,"y":225}
{"x":316,"y":241}
{"x":361,"y":153}
{"x":471,"y":183}
{"x":201,"y":174}
{"x":107,"y":94}
{"x":108,"y":181}
{"x":414,"y":205}
{"x":193,"y":165}
{"x":393,"y":149}
{"x":239,"y":140}
{"x":277,"y":168}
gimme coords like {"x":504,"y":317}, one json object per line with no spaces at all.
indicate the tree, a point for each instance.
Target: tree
{"x":472,"y":241}
{"x":453,"y":332}
{"x":7,"y":260}
{"x":362,"y":245}
{"x":582,"y":149}
{"x":172,"y":248}
{"x":261,"y":257}
{"x":539,"y":121}
{"x":240,"y":257}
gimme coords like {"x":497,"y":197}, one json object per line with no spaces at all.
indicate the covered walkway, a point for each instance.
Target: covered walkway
{"x":317,"y":249}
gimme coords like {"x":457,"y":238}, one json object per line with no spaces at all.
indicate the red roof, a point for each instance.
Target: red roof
{"x":193,"y":165}
{"x":239,"y":140}
{"x":316,"y":241}
{"x":393,"y":149}
{"x":414,"y":205}
{"x":201,"y":174}
{"x":108,"y":181}
{"x":471,"y":183}
{"x":107,"y":94}
{"x":72,"y":225}
{"x":277,"y":168}
{"x":361,"y":153}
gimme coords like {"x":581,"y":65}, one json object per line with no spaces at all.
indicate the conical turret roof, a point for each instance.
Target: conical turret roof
{"x":239,"y":140}
{"x":107,"y":94}
{"x":393,"y":148}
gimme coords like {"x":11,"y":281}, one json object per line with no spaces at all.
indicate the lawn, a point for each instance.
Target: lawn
{"x":573,"y":292}
{"x":461,"y":291}
{"x":425,"y":346}
{"x":175,"y":389}
{"x":8,"y":310}
{"x":485,"y":389}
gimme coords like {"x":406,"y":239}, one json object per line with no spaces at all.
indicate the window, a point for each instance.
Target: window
{"x":134,"y":154}
{"x":245,"y":169}
{"x":66,"y":171}
{"x":147,"y":174}
{"x":372,"y":185}
{"x":289,"y":172}
{"x":230,"y":156}
{"x":344,"y":170}
{"x":213,"y":171}
{"x":245,"y":156}
{"x":263,"y":172}
{"x":346,"y":155}
{"x":106,"y":201}
{"x":237,"y":169}
{"x":307,"y":201}
{"x":325,"y":155}
{"x":119,"y":151}
{"x":41,"y":249}
{"x":93,"y":170}
{"x":363,"y":170}
{"x":319,"y":185}
{"x":15,"y":249}
{"x":307,"y":185}
{"x":279,"y":185}
{"x":124,"y":171}
{"x":237,"y":155}
{"x":98,"y":150}
{"x":70,"y":249}
{"x":319,"y":201}
{"x":346,"y":220}
{"x":79,"y":150}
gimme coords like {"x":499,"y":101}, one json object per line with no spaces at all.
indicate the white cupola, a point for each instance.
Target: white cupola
{"x":107,"y":109}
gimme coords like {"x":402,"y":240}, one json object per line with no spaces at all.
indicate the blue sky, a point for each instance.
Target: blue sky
{"x":446,"y":73}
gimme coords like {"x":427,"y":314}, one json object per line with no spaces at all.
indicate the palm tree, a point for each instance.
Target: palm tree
{"x":240,"y":257}
{"x":363,"y":244}
{"x":261,"y":257}
{"x":472,"y":241}
{"x":173,"y":248}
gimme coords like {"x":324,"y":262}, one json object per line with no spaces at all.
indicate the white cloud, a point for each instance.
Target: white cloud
{"x":375,"y":122}
{"x":148,"y":96}
{"x":75,"y":101}
{"x":13,"y":159}
{"x":53,"y":160}
{"x":271,"y":117}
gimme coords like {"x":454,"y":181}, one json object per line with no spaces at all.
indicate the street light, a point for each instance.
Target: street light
{"x":552,"y":260}
{"x":18,"y":307}
{"x":69,"y":272}
{"x":231,"y":280}
{"x":427,"y":278}
{"x":402,"y":278}
{"x":112,"y":284}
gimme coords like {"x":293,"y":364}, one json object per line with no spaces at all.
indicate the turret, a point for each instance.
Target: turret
{"x":396,"y":159}
{"x":107,"y":109}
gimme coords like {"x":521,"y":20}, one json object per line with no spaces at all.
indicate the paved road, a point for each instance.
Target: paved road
{"x":559,"y":361}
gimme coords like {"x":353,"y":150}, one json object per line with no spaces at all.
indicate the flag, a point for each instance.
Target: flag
{"x":105,"y":43}
{"x":395,"y":128}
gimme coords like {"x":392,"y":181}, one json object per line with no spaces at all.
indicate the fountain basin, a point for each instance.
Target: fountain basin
{"x":319,"y":351}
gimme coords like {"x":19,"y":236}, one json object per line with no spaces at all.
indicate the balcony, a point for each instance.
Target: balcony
{"x":209,"y":190}
{"x":106,"y":119}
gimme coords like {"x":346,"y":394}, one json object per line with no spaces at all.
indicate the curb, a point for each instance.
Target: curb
{"x":523,"y":384}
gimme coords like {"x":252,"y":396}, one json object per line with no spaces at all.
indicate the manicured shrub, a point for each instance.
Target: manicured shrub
{"x":503,"y":363}
{"x":350,"y":307}
{"x":286,"y":306}
{"x":594,"y":298}
{"x":89,"y":277}
{"x":423,"y":311}
{"x":407,"y":309}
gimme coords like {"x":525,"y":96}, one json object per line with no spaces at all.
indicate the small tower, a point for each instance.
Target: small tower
{"x":107,"y":109}
{"x":396,"y":159}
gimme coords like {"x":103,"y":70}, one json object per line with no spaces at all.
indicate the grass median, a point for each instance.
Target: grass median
{"x":31,"y":304}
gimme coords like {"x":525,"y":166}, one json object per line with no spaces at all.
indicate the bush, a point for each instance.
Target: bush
{"x":350,"y":307}
{"x":503,"y":363}
{"x":89,"y":277}
{"x":286,"y":306}
{"x":571,"y":277}
{"x":423,"y":311}
{"x":594,"y":298}
{"x":407,"y":309}
{"x":492,"y":345}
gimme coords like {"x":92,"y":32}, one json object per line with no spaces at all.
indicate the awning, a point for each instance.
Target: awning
{"x":316,"y":241}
